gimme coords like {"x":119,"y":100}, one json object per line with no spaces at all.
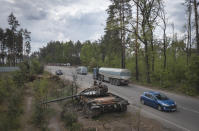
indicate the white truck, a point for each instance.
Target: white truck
{"x":115,"y":76}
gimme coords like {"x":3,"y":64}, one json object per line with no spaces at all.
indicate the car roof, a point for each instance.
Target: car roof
{"x":153,"y":92}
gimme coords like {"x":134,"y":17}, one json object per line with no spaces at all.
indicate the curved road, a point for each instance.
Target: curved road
{"x":186,"y":118}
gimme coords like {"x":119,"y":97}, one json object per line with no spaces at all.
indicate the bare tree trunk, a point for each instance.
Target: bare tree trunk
{"x":189,"y":32}
{"x":152,"y":49}
{"x":123,"y":35}
{"x":147,"y":63}
{"x":136,"y":46}
{"x":173,"y":42}
{"x":196,"y":24}
{"x":146,"y":55}
{"x":164,"y":44}
{"x":164,"y":38}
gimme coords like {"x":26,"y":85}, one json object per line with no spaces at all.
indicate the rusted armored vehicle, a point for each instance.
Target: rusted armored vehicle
{"x":97,"y":100}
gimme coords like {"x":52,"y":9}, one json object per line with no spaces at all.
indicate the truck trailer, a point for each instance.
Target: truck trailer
{"x":115,"y":76}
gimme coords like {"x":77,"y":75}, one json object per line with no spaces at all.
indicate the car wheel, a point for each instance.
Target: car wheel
{"x":159,"y":108}
{"x":142,"y":101}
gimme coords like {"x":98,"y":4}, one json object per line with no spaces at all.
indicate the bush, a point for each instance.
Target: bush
{"x":69,"y":118}
{"x":192,"y":74}
{"x":27,"y":71}
{"x":39,"y":114}
{"x":38,"y":117}
{"x":10,"y":104}
{"x":76,"y":127}
{"x":188,"y":90}
{"x":36,"y":67}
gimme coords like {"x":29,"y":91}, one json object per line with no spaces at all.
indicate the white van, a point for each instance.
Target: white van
{"x":82,"y":70}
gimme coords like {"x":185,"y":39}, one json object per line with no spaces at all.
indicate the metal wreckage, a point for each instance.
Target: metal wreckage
{"x":97,"y":100}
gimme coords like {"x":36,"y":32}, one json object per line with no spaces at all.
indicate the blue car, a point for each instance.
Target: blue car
{"x":158,"y":101}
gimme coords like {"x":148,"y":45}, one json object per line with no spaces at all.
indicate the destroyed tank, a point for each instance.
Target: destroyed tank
{"x":96,"y":100}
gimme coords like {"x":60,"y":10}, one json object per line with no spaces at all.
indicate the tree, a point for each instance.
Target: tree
{"x":188,"y":27}
{"x":136,"y":42}
{"x":119,"y":16}
{"x":12,"y":42}
{"x":2,"y":46}
{"x":9,"y":45}
{"x":86,"y":53}
{"x":27,"y":46}
{"x":164,"y":27}
{"x":19,"y":46}
{"x":196,"y":24}
{"x":149,"y":11}
{"x":13,"y":22}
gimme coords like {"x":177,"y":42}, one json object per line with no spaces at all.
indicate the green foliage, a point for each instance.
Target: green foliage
{"x":6,"y":87}
{"x":39,"y":114}
{"x":192,"y":74}
{"x":86,"y":53}
{"x":13,"y":41}
{"x":60,"y":52}
{"x":70,"y":120}
{"x":36,"y":67}
{"x":180,"y":68}
{"x":10,"y":103}
{"x":40,"y":88}
{"x":11,"y":95}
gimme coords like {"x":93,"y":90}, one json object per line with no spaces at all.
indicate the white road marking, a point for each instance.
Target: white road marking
{"x":172,"y":123}
{"x":184,"y":108}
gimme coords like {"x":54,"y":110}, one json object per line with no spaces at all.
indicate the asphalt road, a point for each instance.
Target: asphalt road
{"x":186,"y":118}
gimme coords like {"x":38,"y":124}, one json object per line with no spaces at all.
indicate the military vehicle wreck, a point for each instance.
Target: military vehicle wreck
{"x":96,"y":100}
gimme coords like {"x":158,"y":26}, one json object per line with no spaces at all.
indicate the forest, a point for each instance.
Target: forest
{"x":167,"y":60}
{"x":14,"y":43}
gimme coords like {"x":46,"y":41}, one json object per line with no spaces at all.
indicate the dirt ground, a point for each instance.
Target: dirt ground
{"x":55,"y":123}
{"x":116,"y":121}
{"x":27,"y":107}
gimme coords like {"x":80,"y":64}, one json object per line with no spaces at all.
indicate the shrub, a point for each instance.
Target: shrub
{"x":39,"y":114}
{"x":69,"y":118}
{"x":36,"y":67}
{"x":76,"y":127}
{"x":10,"y":104}
{"x":192,"y":73}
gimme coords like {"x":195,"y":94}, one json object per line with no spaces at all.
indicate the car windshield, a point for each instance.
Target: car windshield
{"x":161,"y":97}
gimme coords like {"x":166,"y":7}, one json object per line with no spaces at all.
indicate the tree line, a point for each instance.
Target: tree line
{"x":14,"y":43}
{"x":130,"y":42}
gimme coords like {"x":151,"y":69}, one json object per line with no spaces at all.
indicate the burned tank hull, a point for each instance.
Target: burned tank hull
{"x":97,"y":100}
{"x":95,"y":105}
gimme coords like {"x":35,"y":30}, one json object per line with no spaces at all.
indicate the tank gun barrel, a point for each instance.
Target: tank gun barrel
{"x":59,"y":99}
